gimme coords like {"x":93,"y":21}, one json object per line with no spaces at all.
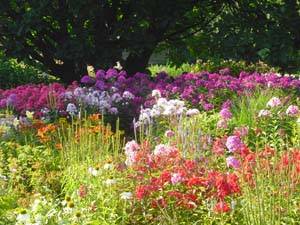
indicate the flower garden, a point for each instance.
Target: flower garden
{"x":115,"y":148}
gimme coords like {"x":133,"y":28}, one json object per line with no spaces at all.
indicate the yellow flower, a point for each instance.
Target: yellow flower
{"x":16,"y":122}
{"x":29,"y":115}
{"x":91,"y":71}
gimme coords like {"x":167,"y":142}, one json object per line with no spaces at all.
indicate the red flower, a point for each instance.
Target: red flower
{"x":190,"y":164}
{"x":197,"y":181}
{"x":141,"y":192}
{"x":190,"y":197}
{"x":176,"y":194}
{"x":244,"y":151}
{"x":221,"y":207}
{"x":219,"y":146}
{"x":165,"y":177}
{"x":268,"y":152}
{"x":233,"y":180}
{"x":159,"y":203}
{"x":82,"y":191}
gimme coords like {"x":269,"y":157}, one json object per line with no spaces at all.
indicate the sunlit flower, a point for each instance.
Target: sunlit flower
{"x":176,"y":178}
{"x":71,"y":109}
{"x":23,"y":218}
{"x":110,"y":182}
{"x":234,"y":143}
{"x":231,"y":161}
{"x":156,"y":94}
{"x":292,"y":110}
{"x":264,"y":112}
{"x":16,"y":122}
{"x":94,"y":172}
{"x":126,"y":195}
{"x":131,"y":148}
{"x":273,"y":102}
{"x":162,"y":149}
{"x":192,"y":112}
{"x":169,"y":133}
{"x":108,"y":166}
{"x":29,"y":114}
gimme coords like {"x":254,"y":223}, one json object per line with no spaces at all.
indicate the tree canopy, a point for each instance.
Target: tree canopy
{"x":265,"y":30}
{"x":66,"y":35}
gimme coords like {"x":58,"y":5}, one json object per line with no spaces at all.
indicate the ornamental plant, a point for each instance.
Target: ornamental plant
{"x":164,"y":180}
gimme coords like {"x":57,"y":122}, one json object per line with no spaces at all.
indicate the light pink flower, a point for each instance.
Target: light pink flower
{"x":273,"y":102}
{"x":163,"y":150}
{"x":192,"y":112}
{"x":233,"y":162}
{"x":222,"y":124}
{"x":169,"y":133}
{"x":176,"y":178}
{"x":264,"y":113}
{"x":241,"y":131}
{"x":131,"y":149}
{"x":292,"y":110}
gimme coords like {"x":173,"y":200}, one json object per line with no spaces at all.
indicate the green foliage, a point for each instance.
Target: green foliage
{"x":249,"y":30}
{"x":65,"y":36}
{"x":271,"y":199}
{"x":213,"y":65}
{"x":13,"y":74}
{"x":29,"y":169}
{"x":276,"y":130}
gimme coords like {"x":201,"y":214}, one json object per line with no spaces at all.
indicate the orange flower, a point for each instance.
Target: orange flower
{"x":59,"y":146}
{"x":95,"y":117}
{"x":45,"y":132}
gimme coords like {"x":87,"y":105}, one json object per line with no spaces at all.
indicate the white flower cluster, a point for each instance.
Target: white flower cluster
{"x":101,"y":101}
{"x":36,"y":215}
{"x":164,"y":107}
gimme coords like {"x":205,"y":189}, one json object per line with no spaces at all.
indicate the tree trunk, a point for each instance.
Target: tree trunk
{"x":138,"y":62}
{"x":67,"y":72}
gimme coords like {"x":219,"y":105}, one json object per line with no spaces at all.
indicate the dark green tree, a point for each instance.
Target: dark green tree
{"x":267,"y":30}
{"x":66,"y":35}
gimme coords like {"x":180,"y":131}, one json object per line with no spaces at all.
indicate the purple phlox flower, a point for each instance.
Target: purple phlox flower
{"x":100,"y":85}
{"x":113,"y":110}
{"x":234,"y":143}
{"x":231,"y":161}
{"x":11,"y":100}
{"x":100,"y":74}
{"x":225,"y":114}
{"x":111,"y":73}
{"x":208,"y":106}
{"x":87,"y":80}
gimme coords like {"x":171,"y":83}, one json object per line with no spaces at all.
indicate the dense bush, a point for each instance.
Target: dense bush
{"x":13,"y":73}
{"x":241,"y":164}
{"x":115,"y":94}
{"x":214,"y":66}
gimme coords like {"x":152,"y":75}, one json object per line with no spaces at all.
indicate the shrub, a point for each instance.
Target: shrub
{"x":13,"y":73}
{"x":214,"y":66}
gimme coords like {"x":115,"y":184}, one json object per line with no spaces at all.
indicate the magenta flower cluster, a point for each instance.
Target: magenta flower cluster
{"x":202,"y":90}
{"x":35,"y":97}
{"x":205,"y":91}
